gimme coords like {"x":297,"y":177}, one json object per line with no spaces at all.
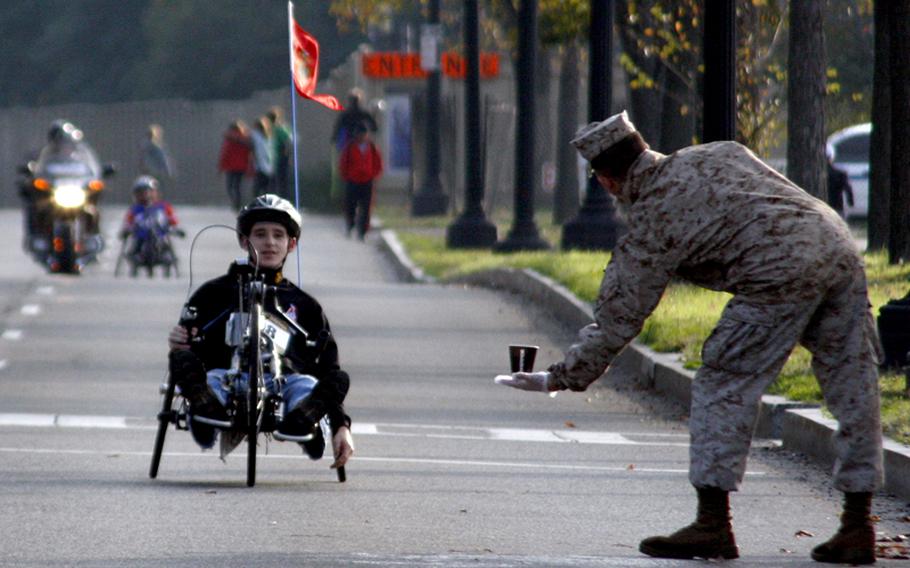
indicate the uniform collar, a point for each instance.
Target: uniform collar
{"x":639,"y":171}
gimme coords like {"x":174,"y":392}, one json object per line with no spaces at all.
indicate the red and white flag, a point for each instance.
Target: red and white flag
{"x":305,"y":63}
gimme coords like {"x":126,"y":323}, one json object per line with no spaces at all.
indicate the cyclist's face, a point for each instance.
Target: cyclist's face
{"x":272,"y":242}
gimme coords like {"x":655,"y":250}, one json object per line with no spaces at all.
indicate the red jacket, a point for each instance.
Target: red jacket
{"x":359,"y":166}
{"x":235,"y":153}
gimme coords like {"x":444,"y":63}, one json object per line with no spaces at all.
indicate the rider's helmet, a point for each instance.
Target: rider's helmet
{"x":269,"y":208}
{"x":63,"y":131}
{"x":143,"y":183}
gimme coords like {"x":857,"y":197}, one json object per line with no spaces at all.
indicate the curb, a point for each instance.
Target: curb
{"x":802,"y":427}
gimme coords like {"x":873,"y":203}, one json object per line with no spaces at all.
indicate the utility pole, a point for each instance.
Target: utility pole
{"x":472,"y":229}
{"x":596,"y":227}
{"x":430,"y":199}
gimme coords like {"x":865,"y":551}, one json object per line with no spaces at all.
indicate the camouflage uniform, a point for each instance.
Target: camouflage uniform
{"x":719,"y":217}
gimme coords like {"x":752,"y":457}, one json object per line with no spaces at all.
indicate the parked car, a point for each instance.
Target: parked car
{"x":850,"y":148}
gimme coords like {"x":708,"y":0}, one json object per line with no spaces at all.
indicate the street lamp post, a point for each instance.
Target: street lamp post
{"x":524,"y":235}
{"x":472,"y":229}
{"x":595,"y":227}
{"x":430,"y":199}
{"x":719,"y":99}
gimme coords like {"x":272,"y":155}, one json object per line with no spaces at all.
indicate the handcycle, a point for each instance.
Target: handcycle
{"x":149,"y":245}
{"x":258,"y":337}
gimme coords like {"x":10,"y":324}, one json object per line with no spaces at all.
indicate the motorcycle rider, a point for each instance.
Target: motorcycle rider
{"x":65,"y":148}
{"x":268,"y":228}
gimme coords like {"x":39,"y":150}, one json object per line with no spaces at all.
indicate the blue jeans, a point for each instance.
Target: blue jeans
{"x":294,"y":391}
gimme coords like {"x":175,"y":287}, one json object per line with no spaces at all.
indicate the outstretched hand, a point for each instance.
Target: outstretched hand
{"x":537,"y":382}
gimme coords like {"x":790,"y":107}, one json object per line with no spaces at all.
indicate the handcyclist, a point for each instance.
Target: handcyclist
{"x":268,"y":228}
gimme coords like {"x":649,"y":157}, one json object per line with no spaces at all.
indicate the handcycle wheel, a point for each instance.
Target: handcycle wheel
{"x":164,"y":420}
{"x":255,"y":377}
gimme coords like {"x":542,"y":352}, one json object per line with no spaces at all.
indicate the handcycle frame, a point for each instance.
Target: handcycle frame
{"x":152,"y":251}
{"x":257,"y":411}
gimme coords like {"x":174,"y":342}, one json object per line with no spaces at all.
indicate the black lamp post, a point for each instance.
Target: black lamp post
{"x":472,"y":229}
{"x":719,"y":47}
{"x":430,"y":200}
{"x":596,"y":227}
{"x":524,"y":235}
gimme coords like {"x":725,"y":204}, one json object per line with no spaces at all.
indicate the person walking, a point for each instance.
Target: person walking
{"x":717,"y":216}
{"x":282,"y":151}
{"x":353,"y":115}
{"x":155,"y":160}
{"x":838,"y":187}
{"x":234,"y":161}
{"x":360,"y":165}
{"x":263,"y":159}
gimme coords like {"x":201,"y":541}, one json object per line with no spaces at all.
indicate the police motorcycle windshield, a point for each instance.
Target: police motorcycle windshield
{"x":74,"y":161}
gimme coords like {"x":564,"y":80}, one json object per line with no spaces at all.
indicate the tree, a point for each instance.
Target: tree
{"x":806,"y":97}
{"x":899,"y":204}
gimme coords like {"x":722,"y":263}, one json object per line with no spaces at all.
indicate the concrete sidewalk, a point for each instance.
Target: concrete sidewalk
{"x":801,"y":427}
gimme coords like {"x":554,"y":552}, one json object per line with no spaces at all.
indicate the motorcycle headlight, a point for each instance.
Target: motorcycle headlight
{"x":69,"y":196}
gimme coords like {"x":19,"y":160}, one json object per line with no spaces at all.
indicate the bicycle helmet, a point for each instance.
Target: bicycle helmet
{"x":269,"y":208}
{"x":142,"y":183}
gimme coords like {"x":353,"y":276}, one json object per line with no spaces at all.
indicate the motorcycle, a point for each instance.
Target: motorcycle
{"x":149,"y":245}
{"x":61,"y":192}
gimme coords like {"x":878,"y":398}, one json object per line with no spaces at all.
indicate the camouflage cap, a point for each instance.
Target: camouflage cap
{"x":596,"y":137}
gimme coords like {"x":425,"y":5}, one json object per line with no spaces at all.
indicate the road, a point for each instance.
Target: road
{"x":450,"y":469}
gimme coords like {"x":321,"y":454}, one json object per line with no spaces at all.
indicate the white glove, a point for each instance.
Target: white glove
{"x":538,"y":382}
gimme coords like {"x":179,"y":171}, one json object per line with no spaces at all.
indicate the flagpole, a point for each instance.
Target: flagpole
{"x":294,"y":126}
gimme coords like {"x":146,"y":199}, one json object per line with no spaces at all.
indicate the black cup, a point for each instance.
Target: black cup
{"x":522,"y":357}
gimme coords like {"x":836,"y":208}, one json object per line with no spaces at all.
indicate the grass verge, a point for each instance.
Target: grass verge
{"x":683,"y":319}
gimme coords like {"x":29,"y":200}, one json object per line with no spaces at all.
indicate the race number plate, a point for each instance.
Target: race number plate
{"x":275,"y":331}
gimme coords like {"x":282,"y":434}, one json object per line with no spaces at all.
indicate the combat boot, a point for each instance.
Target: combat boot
{"x":710,"y":536}
{"x":854,"y":542}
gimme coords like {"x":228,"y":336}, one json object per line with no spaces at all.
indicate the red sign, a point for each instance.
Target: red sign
{"x":395,"y":65}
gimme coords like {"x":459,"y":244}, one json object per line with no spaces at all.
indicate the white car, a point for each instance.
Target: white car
{"x":850,"y":148}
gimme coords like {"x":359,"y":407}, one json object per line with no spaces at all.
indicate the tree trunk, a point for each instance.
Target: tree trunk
{"x":880,"y":144}
{"x":899,"y":204}
{"x":806,"y":161}
{"x":565,"y":198}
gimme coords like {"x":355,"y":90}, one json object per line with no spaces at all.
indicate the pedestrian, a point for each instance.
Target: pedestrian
{"x":353,"y":115}
{"x":263,"y":159}
{"x":717,"y":216}
{"x":360,"y":165}
{"x":838,"y":187}
{"x":282,"y":150}
{"x":154,"y":159}
{"x":350,"y":118}
{"x":234,"y":160}
{"x":314,"y":384}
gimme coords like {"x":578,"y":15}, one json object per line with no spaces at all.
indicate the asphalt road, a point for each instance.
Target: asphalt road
{"x":450,"y":469}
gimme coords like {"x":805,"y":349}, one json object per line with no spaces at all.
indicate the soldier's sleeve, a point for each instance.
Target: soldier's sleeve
{"x":632,"y":285}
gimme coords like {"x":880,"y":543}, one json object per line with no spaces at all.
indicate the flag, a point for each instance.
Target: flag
{"x":305,"y":64}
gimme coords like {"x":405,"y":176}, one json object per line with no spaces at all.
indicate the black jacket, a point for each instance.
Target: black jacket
{"x":213,"y":303}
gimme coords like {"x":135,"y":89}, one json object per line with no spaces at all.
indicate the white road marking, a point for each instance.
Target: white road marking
{"x":365,"y":429}
{"x":31,"y":309}
{"x":376,"y":459}
{"x":44,"y":290}
{"x":3,"y":364}
{"x":12,"y":334}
